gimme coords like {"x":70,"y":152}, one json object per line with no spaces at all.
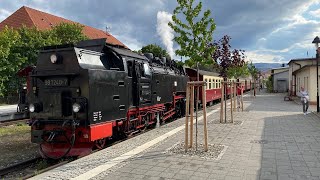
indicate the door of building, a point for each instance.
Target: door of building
{"x":282,"y":85}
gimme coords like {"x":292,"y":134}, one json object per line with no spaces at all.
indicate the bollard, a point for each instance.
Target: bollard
{"x":221,"y":102}
{"x":205,"y":120}
{"x":187,"y":116}
{"x":231,"y":100}
{"x":191,"y":115}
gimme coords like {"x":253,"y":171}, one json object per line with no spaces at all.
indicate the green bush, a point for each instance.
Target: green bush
{"x":269,"y":84}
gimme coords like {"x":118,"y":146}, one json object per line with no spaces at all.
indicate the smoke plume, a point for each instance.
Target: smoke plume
{"x":164,"y":31}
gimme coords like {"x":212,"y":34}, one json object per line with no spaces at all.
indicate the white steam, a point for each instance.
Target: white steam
{"x":164,"y":31}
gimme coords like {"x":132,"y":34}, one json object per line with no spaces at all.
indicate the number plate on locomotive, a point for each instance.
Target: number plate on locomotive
{"x":56,"y":82}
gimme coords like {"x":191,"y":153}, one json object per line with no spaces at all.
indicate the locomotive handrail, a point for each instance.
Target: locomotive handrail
{"x":61,"y":74}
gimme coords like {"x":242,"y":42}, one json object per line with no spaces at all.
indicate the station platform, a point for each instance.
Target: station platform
{"x":271,"y":139}
{"x":8,"y":109}
{"x":9,"y":113}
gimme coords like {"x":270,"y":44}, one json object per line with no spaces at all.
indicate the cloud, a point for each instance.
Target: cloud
{"x":258,"y":57}
{"x":315,"y":13}
{"x":4,"y":14}
{"x":270,"y":30}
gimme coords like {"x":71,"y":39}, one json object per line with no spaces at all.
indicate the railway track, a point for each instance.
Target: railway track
{"x":24,"y":168}
{"x":31,"y":165}
{"x":20,"y":165}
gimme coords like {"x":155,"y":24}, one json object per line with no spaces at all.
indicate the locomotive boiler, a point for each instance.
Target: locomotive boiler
{"x":82,"y":94}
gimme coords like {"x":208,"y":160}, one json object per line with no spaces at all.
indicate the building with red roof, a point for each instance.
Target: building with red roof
{"x":44,"y":21}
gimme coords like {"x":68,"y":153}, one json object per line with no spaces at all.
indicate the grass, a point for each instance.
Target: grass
{"x":19,"y":128}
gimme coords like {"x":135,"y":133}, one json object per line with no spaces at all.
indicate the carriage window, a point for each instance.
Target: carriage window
{"x":213,"y":84}
{"x":209,"y":83}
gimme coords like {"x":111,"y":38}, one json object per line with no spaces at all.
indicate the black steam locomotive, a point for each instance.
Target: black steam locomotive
{"x":82,"y":94}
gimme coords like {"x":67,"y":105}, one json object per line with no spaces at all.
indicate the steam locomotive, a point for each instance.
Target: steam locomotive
{"x":82,"y":94}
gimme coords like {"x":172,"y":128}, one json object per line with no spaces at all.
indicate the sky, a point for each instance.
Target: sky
{"x":270,"y":31}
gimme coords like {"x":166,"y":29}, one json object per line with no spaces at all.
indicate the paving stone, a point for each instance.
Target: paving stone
{"x":181,"y":176}
{"x":152,"y":173}
{"x":217,"y":176}
{"x":167,"y":174}
{"x":233,"y":178}
{"x":201,"y":174}
{"x":157,"y":168}
{"x":197,"y":178}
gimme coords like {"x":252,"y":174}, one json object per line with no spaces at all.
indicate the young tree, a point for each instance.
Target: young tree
{"x":230,"y":63}
{"x":222,"y":55}
{"x":237,"y":67}
{"x":193,"y":33}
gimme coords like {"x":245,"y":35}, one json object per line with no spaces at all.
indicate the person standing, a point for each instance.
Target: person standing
{"x":304,"y":100}
{"x":239,"y":92}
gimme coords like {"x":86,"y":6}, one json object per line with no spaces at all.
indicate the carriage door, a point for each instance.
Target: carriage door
{"x":144,"y":84}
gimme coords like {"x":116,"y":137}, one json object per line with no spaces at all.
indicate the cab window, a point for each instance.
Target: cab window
{"x":147,"y":70}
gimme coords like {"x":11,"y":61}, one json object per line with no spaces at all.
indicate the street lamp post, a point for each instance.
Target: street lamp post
{"x":316,"y":41}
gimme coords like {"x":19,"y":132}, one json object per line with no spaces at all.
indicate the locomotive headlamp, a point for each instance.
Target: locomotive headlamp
{"x":32,"y":108}
{"x":36,"y":107}
{"x":53,"y":58}
{"x":76,"y":107}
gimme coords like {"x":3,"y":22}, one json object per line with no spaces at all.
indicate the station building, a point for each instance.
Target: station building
{"x":303,"y":73}
{"x":280,"y":77}
{"x":29,"y":17}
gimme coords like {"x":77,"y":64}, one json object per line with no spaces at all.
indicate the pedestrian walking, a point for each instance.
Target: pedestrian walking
{"x":304,"y":95}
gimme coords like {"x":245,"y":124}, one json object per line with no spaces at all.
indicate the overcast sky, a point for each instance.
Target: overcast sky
{"x":269,"y":30}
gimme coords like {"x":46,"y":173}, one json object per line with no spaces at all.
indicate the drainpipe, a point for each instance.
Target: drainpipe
{"x":295,"y":78}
